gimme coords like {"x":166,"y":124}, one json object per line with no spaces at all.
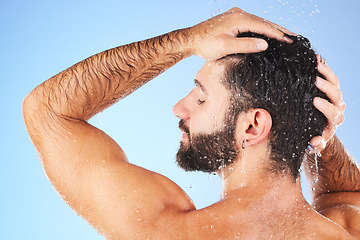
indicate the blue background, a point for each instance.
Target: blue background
{"x":38,"y":39}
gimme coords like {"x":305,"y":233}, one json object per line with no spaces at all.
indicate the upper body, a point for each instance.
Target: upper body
{"x":124,"y":201}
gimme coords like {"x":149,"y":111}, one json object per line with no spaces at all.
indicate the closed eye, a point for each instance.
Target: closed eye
{"x":200,"y":101}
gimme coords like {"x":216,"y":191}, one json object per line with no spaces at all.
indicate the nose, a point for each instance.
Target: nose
{"x":180,"y":110}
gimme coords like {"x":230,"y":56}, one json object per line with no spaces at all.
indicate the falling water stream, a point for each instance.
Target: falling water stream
{"x":316,"y":162}
{"x":316,"y":166}
{"x":222,"y":179}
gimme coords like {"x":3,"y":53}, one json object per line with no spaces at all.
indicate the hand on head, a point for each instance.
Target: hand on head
{"x":333,"y":110}
{"x":217,"y":37}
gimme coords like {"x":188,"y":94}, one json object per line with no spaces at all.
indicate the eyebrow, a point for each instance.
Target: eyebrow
{"x":199,"y":85}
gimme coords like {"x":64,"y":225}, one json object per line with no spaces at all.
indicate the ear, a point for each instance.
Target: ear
{"x":257,"y":126}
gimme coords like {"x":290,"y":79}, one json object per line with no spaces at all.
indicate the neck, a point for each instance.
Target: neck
{"x":250,"y":175}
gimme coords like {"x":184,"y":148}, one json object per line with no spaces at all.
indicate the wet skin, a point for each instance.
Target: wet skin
{"x":124,"y":201}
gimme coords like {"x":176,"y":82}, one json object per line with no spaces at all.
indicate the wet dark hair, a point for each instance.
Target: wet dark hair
{"x":280,"y":80}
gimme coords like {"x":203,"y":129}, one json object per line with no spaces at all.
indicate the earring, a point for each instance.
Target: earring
{"x":242,"y":144}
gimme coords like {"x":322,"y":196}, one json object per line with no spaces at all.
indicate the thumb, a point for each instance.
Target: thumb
{"x":317,"y":143}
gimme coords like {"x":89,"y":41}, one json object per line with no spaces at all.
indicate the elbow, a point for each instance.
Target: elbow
{"x":30,"y":111}
{"x":26,"y":107}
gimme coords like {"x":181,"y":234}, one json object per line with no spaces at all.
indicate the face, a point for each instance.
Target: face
{"x":208,"y":140}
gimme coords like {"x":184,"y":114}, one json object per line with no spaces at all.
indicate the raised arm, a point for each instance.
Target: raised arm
{"x":88,"y":169}
{"x":335,"y":182}
{"x":333,"y":176}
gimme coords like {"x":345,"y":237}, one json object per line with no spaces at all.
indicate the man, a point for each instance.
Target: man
{"x":124,"y":201}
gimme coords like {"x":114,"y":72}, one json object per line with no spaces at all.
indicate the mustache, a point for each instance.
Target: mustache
{"x":183,"y":127}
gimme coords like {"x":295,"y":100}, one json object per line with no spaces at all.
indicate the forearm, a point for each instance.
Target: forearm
{"x":88,"y":87}
{"x":334,"y":171}
{"x":95,"y":83}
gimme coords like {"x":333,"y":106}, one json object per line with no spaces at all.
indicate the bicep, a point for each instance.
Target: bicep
{"x":91,"y":172}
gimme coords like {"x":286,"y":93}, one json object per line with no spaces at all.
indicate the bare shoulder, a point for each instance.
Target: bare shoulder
{"x":93,"y":175}
{"x":347,"y":216}
{"x":343,"y":209}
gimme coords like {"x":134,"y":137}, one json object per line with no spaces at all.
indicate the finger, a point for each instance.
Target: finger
{"x":268,"y":29}
{"x":282,"y":29}
{"x":320,"y":59}
{"x":317,"y":143}
{"x":329,"y":75}
{"x":243,"y":45}
{"x":331,"y":112}
{"x":332,"y":92}
{"x":252,"y":23}
{"x":329,"y":132}
{"x":342,"y":106}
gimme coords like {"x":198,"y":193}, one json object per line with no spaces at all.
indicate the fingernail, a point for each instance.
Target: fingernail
{"x":261,"y":44}
{"x":317,"y":101}
{"x":287,"y":39}
{"x":319,"y":82}
{"x":316,"y":142}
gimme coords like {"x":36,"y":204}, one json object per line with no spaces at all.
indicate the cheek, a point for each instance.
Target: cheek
{"x":202,"y":123}
{"x":209,"y":119}
{"x":217,"y":113}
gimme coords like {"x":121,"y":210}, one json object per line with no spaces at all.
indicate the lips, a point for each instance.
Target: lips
{"x":184,"y":129}
{"x":184,"y":136}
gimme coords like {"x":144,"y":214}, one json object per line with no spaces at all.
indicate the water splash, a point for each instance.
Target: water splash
{"x":318,"y":154}
{"x":316,"y":162}
{"x":222,"y":170}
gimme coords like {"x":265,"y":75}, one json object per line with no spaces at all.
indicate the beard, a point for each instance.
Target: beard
{"x":208,"y":152}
